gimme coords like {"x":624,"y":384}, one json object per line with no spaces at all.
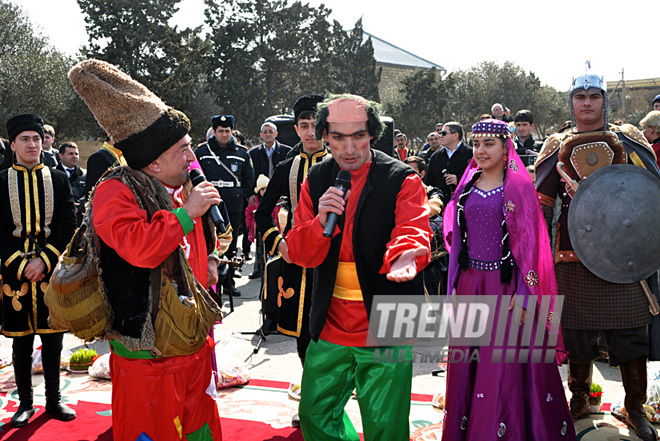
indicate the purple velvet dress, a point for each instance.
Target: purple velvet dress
{"x":486,"y":400}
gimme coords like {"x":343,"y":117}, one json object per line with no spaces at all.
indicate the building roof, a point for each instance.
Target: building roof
{"x":649,"y":83}
{"x":387,"y":53}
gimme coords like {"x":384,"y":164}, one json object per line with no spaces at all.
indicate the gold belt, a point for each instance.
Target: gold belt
{"x":347,"y":285}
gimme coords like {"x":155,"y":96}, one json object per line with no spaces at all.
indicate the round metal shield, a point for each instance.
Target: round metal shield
{"x":612,"y":222}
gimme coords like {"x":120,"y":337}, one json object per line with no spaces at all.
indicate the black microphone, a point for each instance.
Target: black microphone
{"x":197,"y":177}
{"x":343,"y":182}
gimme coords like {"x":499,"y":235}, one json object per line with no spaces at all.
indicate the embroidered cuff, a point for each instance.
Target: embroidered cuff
{"x":186,"y":223}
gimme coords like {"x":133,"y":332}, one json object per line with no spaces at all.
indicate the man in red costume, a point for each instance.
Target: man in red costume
{"x":380,"y":246}
{"x":153,"y":250}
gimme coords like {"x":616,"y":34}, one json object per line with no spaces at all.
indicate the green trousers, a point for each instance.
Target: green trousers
{"x":382,"y":378}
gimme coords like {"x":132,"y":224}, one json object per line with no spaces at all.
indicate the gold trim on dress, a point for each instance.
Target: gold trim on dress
{"x":53,"y":249}
{"x":49,"y":200}
{"x":46,"y":261}
{"x":634,"y":157}
{"x":267,"y":233}
{"x":28,"y":205}
{"x":12,"y":258}
{"x":293,"y":183}
{"x":21,"y":267}
{"x":276,"y":242}
{"x":14,"y":201}
{"x":35,"y":199}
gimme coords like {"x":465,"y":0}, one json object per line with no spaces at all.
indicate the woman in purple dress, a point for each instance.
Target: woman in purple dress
{"x":498,"y":245}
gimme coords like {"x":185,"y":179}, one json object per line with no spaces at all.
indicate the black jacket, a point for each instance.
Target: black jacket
{"x":455,"y":165}
{"x":50,"y":159}
{"x":260,"y":158}
{"x":77,"y":181}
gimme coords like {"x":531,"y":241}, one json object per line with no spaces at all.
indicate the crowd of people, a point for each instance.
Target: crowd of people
{"x":335,"y":222}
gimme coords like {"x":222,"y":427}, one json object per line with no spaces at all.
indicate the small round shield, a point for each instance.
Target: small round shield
{"x":612,"y":223}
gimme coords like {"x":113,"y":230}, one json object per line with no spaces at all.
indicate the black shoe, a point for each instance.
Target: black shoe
{"x":246,"y":257}
{"x":295,"y":421}
{"x":255,"y":274}
{"x":234,"y":292}
{"x":22,"y":416}
{"x":60,"y":411}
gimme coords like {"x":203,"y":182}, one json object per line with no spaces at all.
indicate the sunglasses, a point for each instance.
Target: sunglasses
{"x":445,"y":133}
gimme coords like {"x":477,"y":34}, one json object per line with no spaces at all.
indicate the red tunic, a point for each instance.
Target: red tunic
{"x":123,"y":226}
{"x":347,"y":322}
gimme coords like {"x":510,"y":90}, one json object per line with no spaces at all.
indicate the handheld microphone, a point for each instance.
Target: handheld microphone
{"x":343,"y":182}
{"x":197,"y":177}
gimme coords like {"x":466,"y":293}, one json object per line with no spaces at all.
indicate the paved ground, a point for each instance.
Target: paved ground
{"x":277,"y":359}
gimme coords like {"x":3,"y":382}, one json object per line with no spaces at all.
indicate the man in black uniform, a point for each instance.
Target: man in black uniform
{"x":291,"y":318}
{"x":229,"y":168}
{"x":37,"y":220}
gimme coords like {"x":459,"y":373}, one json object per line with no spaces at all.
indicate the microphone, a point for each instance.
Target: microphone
{"x":197,"y":177}
{"x":343,"y":182}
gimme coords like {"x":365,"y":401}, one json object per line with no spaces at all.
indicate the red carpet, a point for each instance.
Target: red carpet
{"x":94,"y":423}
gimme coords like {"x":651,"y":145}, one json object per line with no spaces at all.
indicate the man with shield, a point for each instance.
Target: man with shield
{"x":612,"y":301}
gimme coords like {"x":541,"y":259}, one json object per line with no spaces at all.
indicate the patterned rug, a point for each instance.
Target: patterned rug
{"x":258,"y":411}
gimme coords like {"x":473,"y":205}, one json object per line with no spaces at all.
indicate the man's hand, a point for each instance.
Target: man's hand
{"x":332,"y":201}
{"x":283,"y":248}
{"x":404,"y":268}
{"x":212,"y":277}
{"x":200,"y":199}
{"x":451,"y":179}
{"x":35,"y":270}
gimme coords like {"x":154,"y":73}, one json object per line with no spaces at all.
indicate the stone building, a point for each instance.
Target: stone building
{"x":397,"y":64}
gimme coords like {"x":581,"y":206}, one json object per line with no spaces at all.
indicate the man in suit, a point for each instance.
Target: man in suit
{"x":48,"y":153}
{"x":69,"y":156}
{"x":265,"y":157}
{"x":269,"y":153}
{"x":448,"y":164}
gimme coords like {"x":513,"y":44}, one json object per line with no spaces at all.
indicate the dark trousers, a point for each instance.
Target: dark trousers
{"x":623,"y":345}
{"x":51,"y":349}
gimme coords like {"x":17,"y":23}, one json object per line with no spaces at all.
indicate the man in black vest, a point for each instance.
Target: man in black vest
{"x":229,"y":168}
{"x":380,"y":246}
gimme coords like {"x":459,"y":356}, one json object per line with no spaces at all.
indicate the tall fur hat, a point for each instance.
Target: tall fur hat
{"x":139,"y":122}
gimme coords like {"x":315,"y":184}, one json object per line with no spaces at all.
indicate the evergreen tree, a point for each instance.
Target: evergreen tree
{"x":135,"y":35}
{"x":354,"y":66}
{"x":32,"y":73}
